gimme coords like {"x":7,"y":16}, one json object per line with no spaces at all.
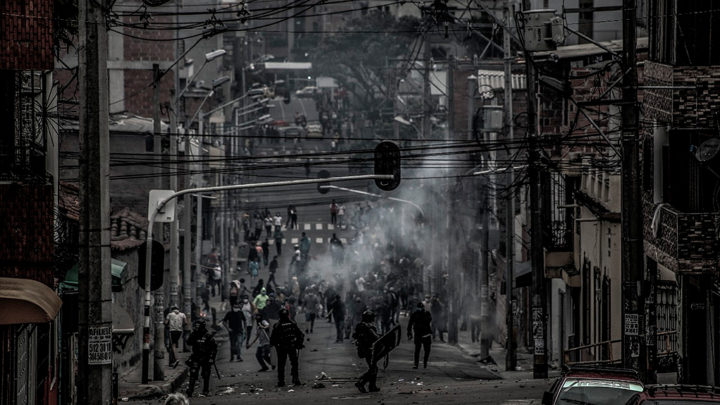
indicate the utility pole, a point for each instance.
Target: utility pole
{"x":537,"y":254}
{"x":159,"y":295}
{"x":94,"y":278}
{"x":634,"y":347}
{"x":451,"y":268}
{"x":510,"y":350}
{"x":427,"y":134}
{"x":172,"y":166}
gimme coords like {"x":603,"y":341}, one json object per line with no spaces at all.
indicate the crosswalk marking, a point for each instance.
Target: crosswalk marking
{"x":343,"y":240}
{"x":318,"y":227}
{"x":307,"y":227}
{"x":294,"y":240}
{"x":319,"y":240}
{"x":331,"y":227}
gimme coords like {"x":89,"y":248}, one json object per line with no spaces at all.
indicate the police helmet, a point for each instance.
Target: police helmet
{"x":284,"y":314}
{"x":368,"y":316}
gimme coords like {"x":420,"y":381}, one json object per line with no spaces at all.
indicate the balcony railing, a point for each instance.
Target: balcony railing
{"x":685,"y":241}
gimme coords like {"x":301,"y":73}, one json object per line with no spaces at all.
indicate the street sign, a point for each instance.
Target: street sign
{"x":323,"y":187}
{"x":100,"y":344}
{"x":167,"y":212}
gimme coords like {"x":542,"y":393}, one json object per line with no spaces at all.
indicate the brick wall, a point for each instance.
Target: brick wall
{"x":26,"y":232}
{"x":139,"y":92}
{"x":26,"y":34}
{"x":154,"y":45}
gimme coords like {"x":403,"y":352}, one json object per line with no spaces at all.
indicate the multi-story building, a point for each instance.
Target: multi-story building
{"x":29,"y":305}
{"x":680,"y":183}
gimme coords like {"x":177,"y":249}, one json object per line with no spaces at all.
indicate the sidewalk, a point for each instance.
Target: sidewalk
{"x":130,"y":385}
{"x":524,"y":369}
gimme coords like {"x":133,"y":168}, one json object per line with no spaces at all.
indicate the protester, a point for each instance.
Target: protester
{"x":204,"y":350}
{"x":234,"y":322}
{"x":175,"y":322}
{"x":420,"y":325}
{"x":262,"y":354}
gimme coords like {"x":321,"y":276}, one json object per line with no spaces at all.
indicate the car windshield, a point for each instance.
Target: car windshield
{"x":597,"y":392}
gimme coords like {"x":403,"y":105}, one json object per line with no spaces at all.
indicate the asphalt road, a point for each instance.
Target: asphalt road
{"x":451,"y":378}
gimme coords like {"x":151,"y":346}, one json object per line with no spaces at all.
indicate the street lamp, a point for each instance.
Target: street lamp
{"x":209,"y":57}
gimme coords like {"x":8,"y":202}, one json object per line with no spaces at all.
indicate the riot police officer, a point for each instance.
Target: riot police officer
{"x":288,"y":339}
{"x":365,"y":335}
{"x":204,"y":349}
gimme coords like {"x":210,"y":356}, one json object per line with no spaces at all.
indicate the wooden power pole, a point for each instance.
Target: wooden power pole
{"x":94,"y":278}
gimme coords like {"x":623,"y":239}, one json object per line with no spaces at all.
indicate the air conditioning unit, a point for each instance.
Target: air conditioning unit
{"x":543,"y":30}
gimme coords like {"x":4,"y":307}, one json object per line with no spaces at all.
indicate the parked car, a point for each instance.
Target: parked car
{"x":677,"y":394}
{"x":307,"y":91}
{"x":594,"y":385}
{"x":314,"y":130}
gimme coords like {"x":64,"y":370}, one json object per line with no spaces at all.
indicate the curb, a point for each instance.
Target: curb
{"x":466,"y":352}
{"x":152,"y":390}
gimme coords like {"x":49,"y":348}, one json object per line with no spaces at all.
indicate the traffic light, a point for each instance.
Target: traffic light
{"x":322,"y":187}
{"x":158,"y":265}
{"x":387,"y":161}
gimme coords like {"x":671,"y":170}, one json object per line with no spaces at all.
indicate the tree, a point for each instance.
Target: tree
{"x":358,"y":57}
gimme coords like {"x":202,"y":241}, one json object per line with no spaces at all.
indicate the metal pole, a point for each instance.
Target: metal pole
{"x":94,"y":380}
{"x":158,"y":295}
{"x":634,"y":344}
{"x":198,"y":245}
{"x":510,"y":354}
{"x":174,"y":235}
{"x":451,"y":268}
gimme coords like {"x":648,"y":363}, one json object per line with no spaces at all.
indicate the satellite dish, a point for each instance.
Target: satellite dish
{"x":708,"y":150}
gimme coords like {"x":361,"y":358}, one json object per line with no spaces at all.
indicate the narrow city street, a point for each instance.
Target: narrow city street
{"x":328,"y":371}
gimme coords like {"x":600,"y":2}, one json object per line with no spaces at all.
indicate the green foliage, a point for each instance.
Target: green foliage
{"x":359,"y":57}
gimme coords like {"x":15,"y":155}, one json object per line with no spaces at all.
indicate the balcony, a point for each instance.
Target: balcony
{"x":683,"y":242}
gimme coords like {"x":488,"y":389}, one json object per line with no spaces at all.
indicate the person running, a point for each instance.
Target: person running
{"x":261,"y":300}
{"x":262,"y":354}
{"x":175,"y":322}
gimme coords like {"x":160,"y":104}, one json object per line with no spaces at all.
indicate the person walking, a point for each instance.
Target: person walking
{"x":175,"y":322}
{"x":365,"y":336}
{"x":333,"y":212}
{"x":278,"y":236}
{"x":272,"y":270}
{"x":234,"y":322}
{"x":204,"y":350}
{"x":247,"y":310}
{"x":266,"y":251}
{"x":287,"y":339}
{"x":260,"y":300}
{"x":337,"y":309}
{"x":262,"y":354}
{"x":277,"y":221}
{"x":341,"y":216}
{"x":268,"y":225}
{"x":420,"y":324}
{"x":254,"y":268}
{"x":436,"y":308}
{"x":304,"y":247}
{"x":311,"y":303}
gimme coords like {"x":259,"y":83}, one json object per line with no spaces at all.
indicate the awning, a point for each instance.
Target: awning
{"x":117,"y":268}
{"x":26,"y":301}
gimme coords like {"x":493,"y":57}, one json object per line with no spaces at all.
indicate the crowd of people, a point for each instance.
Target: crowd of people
{"x":371,"y":280}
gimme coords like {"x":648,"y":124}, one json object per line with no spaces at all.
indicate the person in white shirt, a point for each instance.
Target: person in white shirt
{"x":175,"y":322}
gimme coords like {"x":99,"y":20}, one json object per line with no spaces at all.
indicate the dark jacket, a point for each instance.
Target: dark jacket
{"x":338,"y":309}
{"x":287,"y":336}
{"x":204,"y":347}
{"x":235,"y":320}
{"x":365,"y":335}
{"x":420,"y":324}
